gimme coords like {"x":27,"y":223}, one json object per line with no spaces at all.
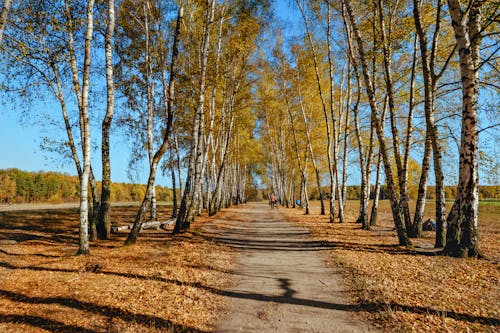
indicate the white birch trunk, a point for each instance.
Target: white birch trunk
{"x":462,"y":240}
{"x":84,"y":181}
{"x":4,"y":14}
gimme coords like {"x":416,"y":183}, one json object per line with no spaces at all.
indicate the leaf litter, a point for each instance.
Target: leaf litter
{"x":164,"y":283}
{"x":412,"y":290}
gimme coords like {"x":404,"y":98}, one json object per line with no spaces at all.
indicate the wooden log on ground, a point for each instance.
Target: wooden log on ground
{"x":145,"y":225}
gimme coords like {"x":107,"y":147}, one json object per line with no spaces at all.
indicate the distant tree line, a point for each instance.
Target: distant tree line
{"x":18,"y":186}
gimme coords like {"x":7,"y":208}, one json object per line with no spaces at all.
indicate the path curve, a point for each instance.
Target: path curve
{"x":282,"y":281}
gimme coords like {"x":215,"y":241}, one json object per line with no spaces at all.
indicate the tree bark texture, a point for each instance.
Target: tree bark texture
{"x":84,"y":181}
{"x":430,"y":81}
{"x":461,"y":237}
{"x":134,"y":233}
{"x":395,"y":205}
{"x":4,"y":14}
{"x":104,"y":224}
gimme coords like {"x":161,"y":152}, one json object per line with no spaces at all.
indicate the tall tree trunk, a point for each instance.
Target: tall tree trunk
{"x":386,"y":47}
{"x":58,"y":91}
{"x":134,"y":233}
{"x":84,"y":181}
{"x":190,"y":197}
{"x":346,"y":138}
{"x":395,"y":206}
{"x":4,"y":14}
{"x":416,"y":225}
{"x":104,"y":224}
{"x":332,"y":160}
{"x":150,"y":91}
{"x":327,"y":125}
{"x":430,"y":83}
{"x":365,"y":155}
{"x":461,"y":236}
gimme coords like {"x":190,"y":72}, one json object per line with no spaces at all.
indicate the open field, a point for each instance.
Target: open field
{"x":162,"y":284}
{"x":420,"y":291}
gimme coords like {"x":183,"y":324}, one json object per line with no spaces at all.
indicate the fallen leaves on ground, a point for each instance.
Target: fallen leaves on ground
{"x":412,"y":290}
{"x":165,"y":283}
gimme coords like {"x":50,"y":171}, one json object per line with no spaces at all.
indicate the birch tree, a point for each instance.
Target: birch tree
{"x":134,"y":233}
{"x":431,"y":79}
{"x":461,"y":236}
{"x":104,"y":226}
{"x":85,"y":134}
{"x":191,"y":194}
{"x":4,"y":14}
{"x":395,"y":205}
{"x":329,"y":144}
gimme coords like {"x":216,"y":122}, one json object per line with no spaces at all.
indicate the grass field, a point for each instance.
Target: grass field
{"x":416,"y":290}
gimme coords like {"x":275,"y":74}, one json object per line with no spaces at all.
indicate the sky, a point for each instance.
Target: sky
{"x":20,"y":137}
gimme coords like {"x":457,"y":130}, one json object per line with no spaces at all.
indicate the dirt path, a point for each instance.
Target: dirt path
{"x":283,"y":284}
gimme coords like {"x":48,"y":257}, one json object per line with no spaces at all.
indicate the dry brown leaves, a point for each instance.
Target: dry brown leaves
{"x":164,"y":283}
{"x":405,"y":290}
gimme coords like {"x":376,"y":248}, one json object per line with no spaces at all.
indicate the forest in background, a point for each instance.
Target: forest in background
{"x":18,"y":186}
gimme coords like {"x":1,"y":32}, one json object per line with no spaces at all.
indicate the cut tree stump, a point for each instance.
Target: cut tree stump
{"x":145,"y":225}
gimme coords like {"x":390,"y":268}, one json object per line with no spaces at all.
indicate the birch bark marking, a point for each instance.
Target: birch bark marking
{"x":333,"y":160}
{"x":84,"y":180}
{"x":104,"y":224}
{"x":209,"y":141}
{"x":4,"y":14}
{"x":346,"y":139}
{"x":327,"y":122}
{"x":198,"y":166}
{"x":396,"y":211}
{"x":134,"y":233}
{"x":462,"y":221}
{"x":364,"y":154}
{"x":78,"y":90}
{"x":189,"y":198}
{"x":150,"y":91}
{"x":387,"y":52}
{"x":430,"y":82}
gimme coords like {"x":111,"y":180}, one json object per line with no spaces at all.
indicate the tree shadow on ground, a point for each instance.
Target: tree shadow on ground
{"x":312,"y":245}
{"x":111,"y":312}
{"x":286,"y":298}
{"x":43,"y":323}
